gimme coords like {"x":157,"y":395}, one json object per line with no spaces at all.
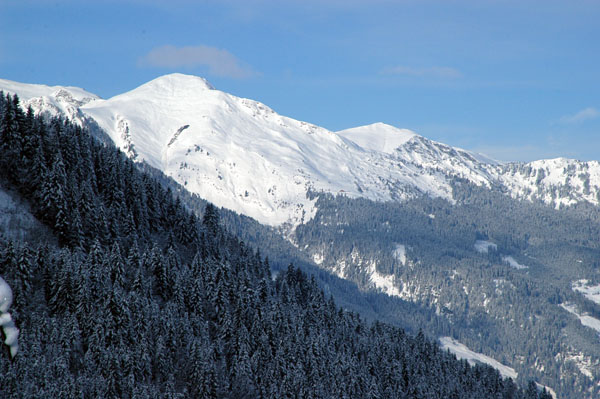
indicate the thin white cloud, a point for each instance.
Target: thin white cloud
{"x":581,"y":116}
{"x":219,"y":62}
{"x":435,"y":71}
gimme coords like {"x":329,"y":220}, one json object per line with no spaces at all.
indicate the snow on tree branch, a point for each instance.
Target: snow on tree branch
{"x":11,"y":332}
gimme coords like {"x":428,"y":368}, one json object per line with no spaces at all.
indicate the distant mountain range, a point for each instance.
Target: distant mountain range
{"x":242,"y":155}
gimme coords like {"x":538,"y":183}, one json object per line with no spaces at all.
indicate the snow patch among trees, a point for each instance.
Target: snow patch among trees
{"x":513,"y":263}
{"x":463,"y":352}
{"x":585,"y":319}
{"x":383,"y":282}
{"x":548,"y":389}
{"x":591,"y":292}
{"x":483,"y":246}
{"x":583,"y":363}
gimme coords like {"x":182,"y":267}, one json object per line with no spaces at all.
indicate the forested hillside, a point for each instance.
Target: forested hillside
{"x":498,"y":271}
{"x":126,"y":294}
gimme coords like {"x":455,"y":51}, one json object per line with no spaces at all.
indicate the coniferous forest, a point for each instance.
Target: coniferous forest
{"x":121,"y":292}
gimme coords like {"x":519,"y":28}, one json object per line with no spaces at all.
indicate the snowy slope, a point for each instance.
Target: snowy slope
{"x":240,"y":154}
{"x":557,"y":182}
{"x":462,"y":352}
{"x":407,"y":149}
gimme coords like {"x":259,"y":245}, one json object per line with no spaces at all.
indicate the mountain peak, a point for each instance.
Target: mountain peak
{"x":178,"y":82}
{"x":378,"y":136}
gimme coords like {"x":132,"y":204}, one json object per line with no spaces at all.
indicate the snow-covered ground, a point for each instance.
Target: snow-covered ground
{"x":483,"y":246}
{"x":462,"y":352}
{"x":591,"y":292}
{"x":383,"y":282}
{"x":548,"y":389}
{"x":513,"y":263}
{"x":584,"y":363}
{"x":585,"y":319}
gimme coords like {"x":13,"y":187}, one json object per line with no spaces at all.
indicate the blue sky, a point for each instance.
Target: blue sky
{"x":517,"y":80}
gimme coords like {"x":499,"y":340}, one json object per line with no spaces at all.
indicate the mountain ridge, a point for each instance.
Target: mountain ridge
{"x":240,"y":154}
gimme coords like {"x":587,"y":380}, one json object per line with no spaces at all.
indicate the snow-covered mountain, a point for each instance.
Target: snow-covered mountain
{"x":558,"y":181}
{"x":51,"y":100}
{"x":240,"y":154}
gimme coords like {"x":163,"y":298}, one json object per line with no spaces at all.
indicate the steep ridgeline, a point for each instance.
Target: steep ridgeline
{"x":241,"y":155}
{"x":130,"y":295}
